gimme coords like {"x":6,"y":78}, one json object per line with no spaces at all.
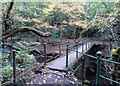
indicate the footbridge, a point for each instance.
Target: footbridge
{"x":72,"y":55}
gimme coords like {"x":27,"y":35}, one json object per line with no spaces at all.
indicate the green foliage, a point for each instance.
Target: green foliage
{"x":100,"y":8}
{"x":23,"y":45}
{"x":57,"y":13}
{"x":24,"y":61}
{"x":30,"y":10}
{"x":99,"y":25}
{"x":114,"y":20}
{"x":56,"y":17}
{"x":24,"y":12}
{"x":27,"y":60}
{"x":56,"y":33}
{"x":7,"y":73}
{"x":118,"y":51}
{"x":54,"y":14}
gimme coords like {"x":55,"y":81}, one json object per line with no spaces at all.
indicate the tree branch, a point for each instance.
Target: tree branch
{"x":7,"y":34}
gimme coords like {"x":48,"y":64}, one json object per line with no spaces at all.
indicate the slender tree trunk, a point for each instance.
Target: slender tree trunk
{"x":6,"y":17}
{"x":6,"y":20}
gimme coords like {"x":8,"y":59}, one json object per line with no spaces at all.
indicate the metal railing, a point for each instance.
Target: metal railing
{"x":14,"y":53}
{"x":85,"y":45}
{"x":71,"y":48}
{"x":98,"y":58}
{"x":68,"y":47}
{"x":98,"y":76}
{"x":14,"y":79}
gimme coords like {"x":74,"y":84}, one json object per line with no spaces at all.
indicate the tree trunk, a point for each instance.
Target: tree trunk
{"x":6,"y":17}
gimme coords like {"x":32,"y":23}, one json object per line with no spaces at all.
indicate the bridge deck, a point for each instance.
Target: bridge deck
{"x":60,"y":63}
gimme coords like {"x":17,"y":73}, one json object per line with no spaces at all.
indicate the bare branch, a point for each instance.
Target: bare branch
{"x":24,"y":29}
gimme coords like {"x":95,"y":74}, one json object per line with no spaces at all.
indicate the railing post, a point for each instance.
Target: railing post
{"x":67,"y":50}
{"x":59,"y":48}
{"x":68,"y":43}
{"x":115,"y":68}
{"x":99,"y":53}
{"x":14,"y":68}
{"x":76,"y":49}
{"x":83,"y":68}
{"x":45,"y":54}
{"x":86,"y":44}
{"x":82,"y":46}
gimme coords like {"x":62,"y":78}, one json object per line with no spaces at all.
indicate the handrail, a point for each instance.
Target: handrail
{"x":109,"y":79}
{"x":118,"y":63}
{"x":27,"y":71}
{"x":26,"y":51}
{"x":76,"y":68}
{"x":22,"y":74}
{"x":85,"y":54}
{"x":23,"y":52}
{"x":98,"y":58}
{"x":70,"y":46}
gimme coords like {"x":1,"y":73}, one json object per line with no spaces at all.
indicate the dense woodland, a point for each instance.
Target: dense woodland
{"x":100,"y":18}
{"x":48,"y":21}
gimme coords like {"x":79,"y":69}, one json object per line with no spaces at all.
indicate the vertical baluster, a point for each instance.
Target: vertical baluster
{"x":14,"y":68}
{"x":76,"y":49}
{"x":86,"y":44}
{"x":45,"y":54}
{"x":67,"y":50}
{"x":82,"y":47}
{"x":98,"y":68}
{"x":59,"y":48}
